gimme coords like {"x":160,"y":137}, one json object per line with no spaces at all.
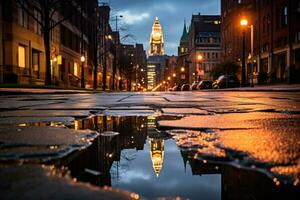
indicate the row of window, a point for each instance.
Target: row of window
{"x":210,"y":40}
{"x":70,"y":39}
{"x":210,"y":55}
{"x":23,"y":18}
{"x":35,"y":59}
{"x":207,"y":67}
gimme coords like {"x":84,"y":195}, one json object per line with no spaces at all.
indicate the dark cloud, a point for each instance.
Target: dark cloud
{"x":140,"y":14}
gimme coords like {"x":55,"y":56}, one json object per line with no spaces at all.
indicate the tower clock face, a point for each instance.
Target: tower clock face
{"x":156,"y":39}
{"x":156,"y":36}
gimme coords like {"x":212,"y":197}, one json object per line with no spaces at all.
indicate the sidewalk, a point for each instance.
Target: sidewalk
{"x":17,"y":91}
{"x":265,"y":88}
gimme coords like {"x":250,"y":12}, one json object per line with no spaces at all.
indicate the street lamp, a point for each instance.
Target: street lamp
{"x":82,"y":59}
{"x":244,"y":24}
{"x":174,"y":75}
{"x":182,"y":69}
{"x":169,"y":78}
{"x":199,"y":59}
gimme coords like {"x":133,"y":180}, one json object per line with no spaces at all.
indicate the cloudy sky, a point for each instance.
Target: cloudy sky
{"x":139,"y":15}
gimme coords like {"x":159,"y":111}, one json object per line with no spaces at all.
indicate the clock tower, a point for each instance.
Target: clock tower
{"x":156,"y":40}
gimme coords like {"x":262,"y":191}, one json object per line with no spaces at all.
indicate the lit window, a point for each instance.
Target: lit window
{"x":21,"y":56}
{"x":75,"y":69}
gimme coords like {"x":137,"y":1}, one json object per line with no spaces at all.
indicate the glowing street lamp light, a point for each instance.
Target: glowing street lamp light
{"x":82,"y":58}
{"x":199,"y":57}
{"x":182,"y":69}
{"x":174,"y":75}
{"x":169,"y":78}
{"x":244,"y":22}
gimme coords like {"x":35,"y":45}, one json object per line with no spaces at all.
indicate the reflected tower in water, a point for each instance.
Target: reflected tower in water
{"x":157,"y":154}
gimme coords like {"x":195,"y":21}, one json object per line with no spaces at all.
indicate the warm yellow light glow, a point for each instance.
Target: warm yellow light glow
{"x":169,"y":78}
{"x":164,"y":82}
{"x":182,"y":69}
{"x":109,"y":37}
{"x":119,"y":78}
{"x":174,"y":75}
{"x":75,"y":69}
{"x":21,"y":56}
{"x":244,"y":22}
{"x":199,"y":57}
{"x":55,"y":59}
{"x":82,"y":58}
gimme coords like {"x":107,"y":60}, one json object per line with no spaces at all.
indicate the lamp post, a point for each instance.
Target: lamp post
{"x":252,"y":54}
{"x":82,"y":59}
{"x":199,"y":59}
{"x":244,"y":24}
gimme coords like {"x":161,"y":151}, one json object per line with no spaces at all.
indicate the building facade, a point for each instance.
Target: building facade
{"x":156,"y":39}
{"x":23,"y":50}
{"x":275,"y":38}
{"x":204,"y":39}
{"x":156,"y":61}
{"x":182,"y":69}
{"x":132,"y":65}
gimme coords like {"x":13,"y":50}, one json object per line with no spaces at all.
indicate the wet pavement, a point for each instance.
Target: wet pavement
{"x":214,"y":145}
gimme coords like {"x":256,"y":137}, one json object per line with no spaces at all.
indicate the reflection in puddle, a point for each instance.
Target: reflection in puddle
{"x":148,"y":162}
{"x":132,"y":154}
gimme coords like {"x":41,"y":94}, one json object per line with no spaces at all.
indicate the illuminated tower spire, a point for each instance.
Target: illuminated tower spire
{"x":157,"y":154}
{"x":156,"y":39}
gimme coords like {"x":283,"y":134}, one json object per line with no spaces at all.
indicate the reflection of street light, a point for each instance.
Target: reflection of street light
{"x":244,"y":23}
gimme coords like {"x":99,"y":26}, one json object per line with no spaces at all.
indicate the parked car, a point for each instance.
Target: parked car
{"x":226,"y":82}
{"x":195,"y":85}
{"x":177,"y":88}
{"x":205,"y":84}
{"x":185,"y":87}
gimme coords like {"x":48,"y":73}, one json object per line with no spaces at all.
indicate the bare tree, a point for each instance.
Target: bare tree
{"x":51,"y":16}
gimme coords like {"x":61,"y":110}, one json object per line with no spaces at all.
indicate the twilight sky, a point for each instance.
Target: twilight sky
{"x":139,"y":15}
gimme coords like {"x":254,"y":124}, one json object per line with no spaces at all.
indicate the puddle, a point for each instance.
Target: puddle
{"x":129,"y":153}
{"x":146,"y":161}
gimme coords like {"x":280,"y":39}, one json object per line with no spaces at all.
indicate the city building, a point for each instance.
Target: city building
{"x":171,"y":68}
{"x":156,"y":61}
{"x":1,"y":42}
{"x":157,"y":154}
{"x":156,"y":66}
{"x":275,"y":38}
{"x":156,"y":39}
{"x":182,"y":69}
{"x":205,"y":40}
{"x":132,"y":66}
{"x":23,"y":51}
